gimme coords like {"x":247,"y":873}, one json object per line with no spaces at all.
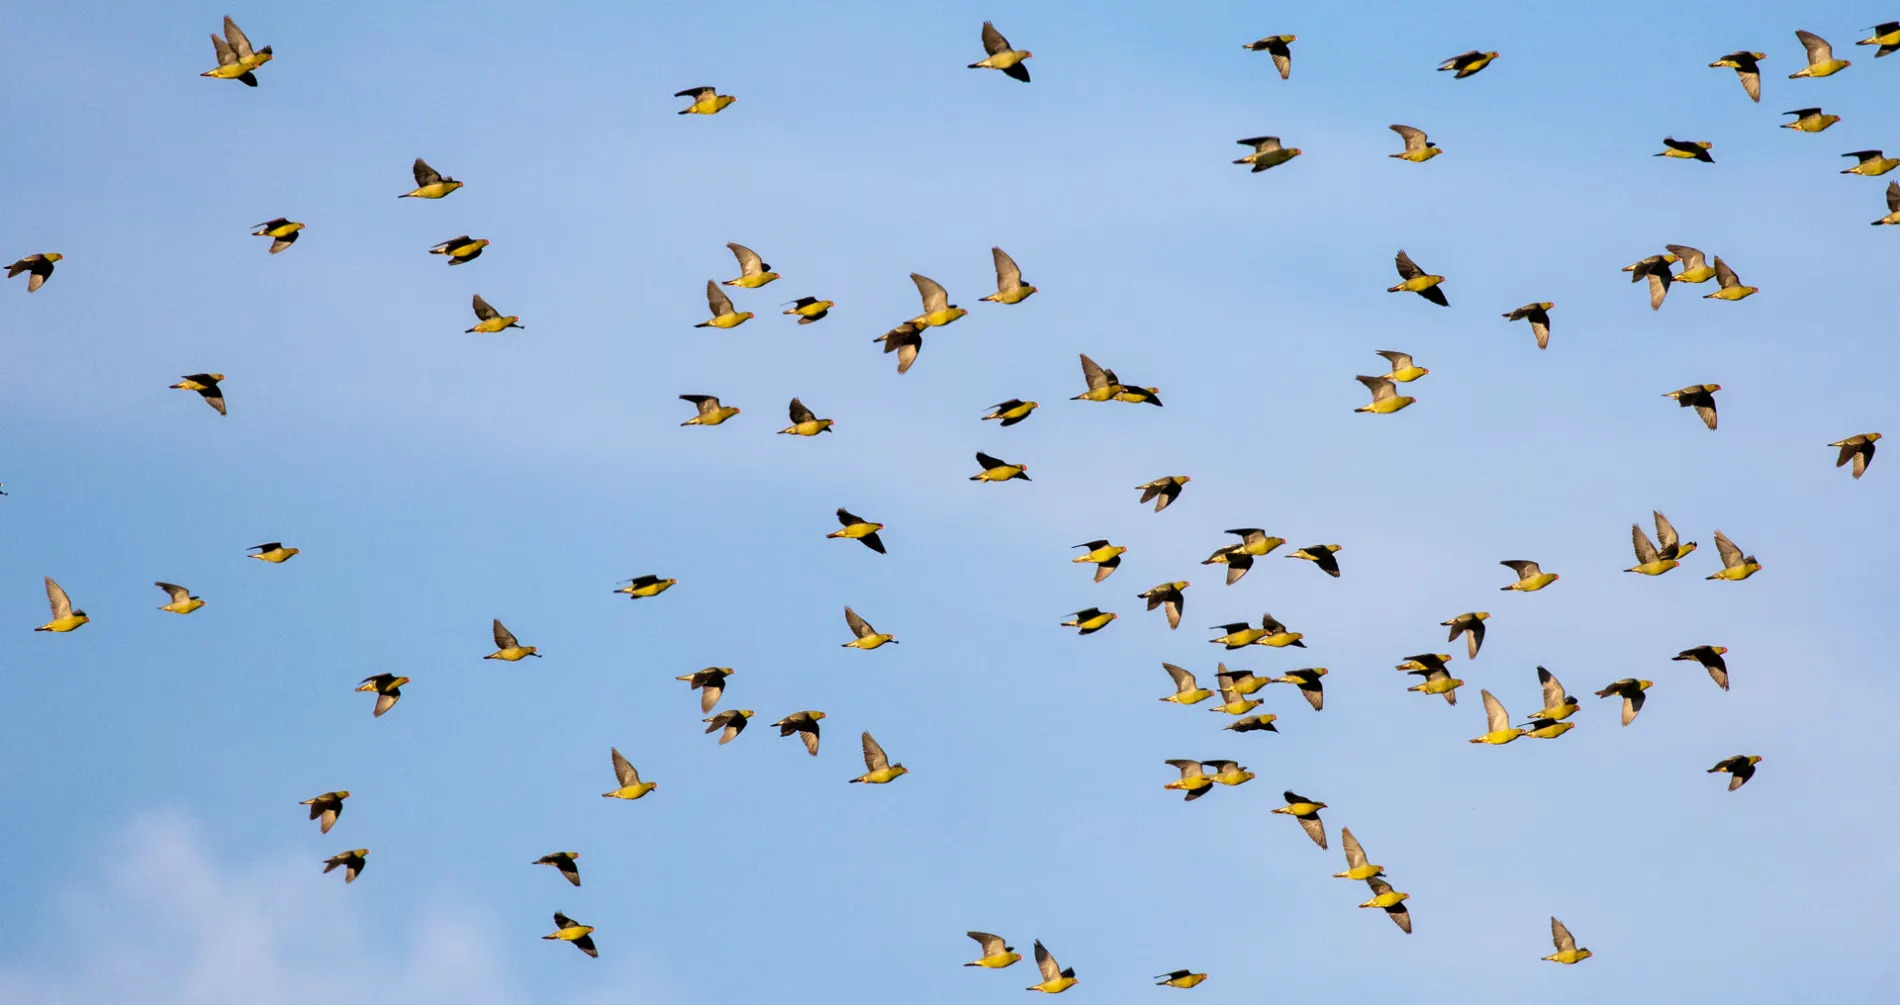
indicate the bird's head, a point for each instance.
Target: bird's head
{"x":745,"y":713}
{"x":340,"y":794}
{"x":53,"y":256}
{"x":1246,"y":775}
{"x":1718,"y":650}
{"x":483,"y":243}
{"x":1481,"y":615}
{"x":1546,"y":305}
{"x":1669,"y":258}
{"x":264,"y":55}
{"x":532,"y":651}
{"x":1490,"y":55}
{"x":215,"y":376}
{"x":1645,"y":685}
{"x":292,"y":551}
{"x":1455,"y":683}
{"x":1027,"y":55}
{"x":1408,"y":399}
{"x":1711,"y":388}
{"x":79,"y":614}
{"x":1754,"y":758}
{"x":450,"y":185}
{"x":1183,"y":480}
{"x":899,"y":769}
{"x":743,"y":315}
{"x":1180,"y":584}
{"x":1871,"y":437}
{"x":398,"y":682}
{"x":1555,"y":577}
{"x":819,"y":715}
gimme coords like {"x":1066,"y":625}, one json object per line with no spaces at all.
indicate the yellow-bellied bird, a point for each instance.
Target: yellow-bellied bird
{"x":706,"y":100}
{"x":858,"y":529}
{"x":1238,"y":558}
{"x":206,"y":384}
{"x":1497,"y":723}
{"x":1307,"y":679}
{"x":1700,"y":397}
{"x":1089,"y":620}
{"x":1735,"y":566}
{"x":387,"y":687}
{"x":1392,"y":902}
{"x":868,"y":638}
{"x":708,"y":410}
{"x":1886,"y":34}
{"x":732,"y":720}
{"x":1168,"y":596}
{"x":65,"y":619}
{"x":1271,"y":633}
{"x":490,"y":320}
{"x":1012,"y":411}
{"x":1179,"y":979}
{"x":566,"y":929}
{"x":1416,"y":280}
{"x":564,"y":861}
{"x":1276,"y":46}
{"x":1538,"y":314}
{"x":351,"y":862}
{"x":282,"y":232}
{"x":1744,"y":65}
{"x":1471,"y":626}
{"x":1055,"y":979}
{"x":1872,"y":163}
{"x":182,"y":602}
{"x":723,"y":316}
{"x":273,"y":552}
{"x":753,"y":271}
{"x":430,"y":183}
{"x":1320,"y":555}
{"x":1732,"y":288}
{"x":1695,"y":150}
{"x":236,"y":58}
{"x":648,"y":585}
{"x":1163,"y":491}
{"x":1821,"y":61}
{"x":938,"y":310}
{"x":1254,"y":722}
{"x":1809,"y":120}
{"x":1104,"y":556}
{"x":1655,"y":268}
{"x":1386,"y":398}
{"x":507,"y":648}
{"x":1306,"y":811}
{"x":326,"y":808}
{"x":809,"y":309}
{"x":1859,"y":449}
{"x":1010,"y":288}
{"x":1893,"y":207}
{"x":805,"y":724}
{"x":996,"y":955}
{"x":1711,"y":659}
{"x":1695,"y":266}
{"x":710,"y":683}
{"x":38,"y":268}
{"x":906,"y":340}
{"x":1241,"y":681}
{"x":1102,"y":383}
{"x":1403,"y":371}
{"x":804,"y":423}
{"x":1001,"y":56}
{"x":1649,"y":561}
{"x":1567,"y":951}
{"x":1631,"y":690}
{"x":1740,"y":768}
{"x":1418,"y":149}
{"x":1468,"y":63}
{"x":1437,"y":680}
{"x":1187,"y":691}
{"x":460,"y":250}
{"x":878,"y":768}
{"x":1232,"y":701}
{"x":1356,"y":865}
{"x":1267,"y":152}
{"x":1192,"y":781}
{"x":629,"y":785}
{"x":995,"y":469}
{"x":1530,"y":578}
{"x":1558,"y":704}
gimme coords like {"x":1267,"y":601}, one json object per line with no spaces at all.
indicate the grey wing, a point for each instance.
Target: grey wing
{"x":225,"y":56}
{"x":1475,"y":640}
{"x":1495,"y":718}
{"x":1414,"y":140}
{"x":1355,"y":855}
{"x":62,"y":605}
{"x":504,"y":639}
{"x":1183,"y":680}
{"x":482,"y":310}
{"x":1524,"y":570}
{"x":698,"y":94}
{"x":1008,"y":276}
{"x":1380,"y":387}
{"x":1398,"y":359}
{"x":935,"y":299}
{"x":810,"y":738}
{"x":719,"y":302}
{"x":1731,"y":555}
{"x":1046,"y":962}
{"x":1632,"y":704}
{"x":1314,"y":828}
{"x":623,"y":769}
{"x":1658,"y":287}
{"x":1818,"y":49}
{"x":874,"y":759}
{"x":1282,"y":62}
{"x":1096,"y":377}
{"x":1893,"y":196}
{"x":993,"y":40}
{"x":240,"y":44}
{"x":750,"y":263}
{"x":1560,"y":936}
{"x":1665,"y":532}
{"x":859,"y":626}
{"x":1407,"y":270}
{"x":1269,"y":623}
{"x":799,"y":413}
{"x":178,"y":593}
{"x":1725,"y":275}
{"x":1645,"y":551}
{"x":991,"y":944}
{"x":425,"y":175}
{"x":1553,"y":688}
{"x":1691,"y":258}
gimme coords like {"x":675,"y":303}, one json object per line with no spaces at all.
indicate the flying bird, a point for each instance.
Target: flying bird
{"x":1168,"y":596}
{"x":628,"y":783}
{"x":1238,"y":558}
{"x":566,"y":929}
{"x":1735,"y":566}
{"x":273,"y":552}
{"x":1821,"y":61}
{"x":1356,"y":865}
{"x":1055,"y":980}
{"x":878,"y":768}
{"x":1697,"y":150}
{"x":1530,"y":578}
{"x":1010,"y":288}
{"x":1012,"y":411}
{"x":1871,"y":163}
{"x":182,"y":602}
{"x":1306,"y":811}
{"x":1558,"y":704}
{"x":1655,"y":268}
{"x":1471,"y":626}
{"x":460,"y":250}
{"x":1418,"y":149}
{"x":1001,"y":56}
{"x":1320,"y":555}
{"x":1859,"y":449}
{"x":804,"y":423}
{"x":1886,"y":34}
{"x":1164,"y":491}
{"x":706,"y":100}
{"x":1392,"y":902}
{"x":868,"y":638}
{"x":507,"y":648}
{"x":490,"y":320}
{"x":206,"y":384}
{"x":1740,"y":769}
{"x":648,"y":585}
{"x":38,"y":268}
{"x":1307,"y":679}
{"x":1267,"y":153}
{"x":1187,"y":691}
{"x":1089,"y":620}
{"x":564,"y":862}
{"x":995,"y":469}
{"x":805,"y":724}
{"x":1417,"y":280}
{"x":1104,"y":556}
{"x":1731,"y":284}
{"x":387,"y":687}
{"x":996,"y":954}
{"x":1538,"y":314}
{"x":283,"y":233}
{"x":1403,"y":371}
{"x":723,"y":316}
{"x":856,"y":528}
{"x":710,"y":683}
{"x":1746,"y":70}
{"x":1276,"y":46}
{"x":326,"y":808}
{"x":732,"y":721}
{"x":1567,"y":951}
{"x":1179,"y":979}
{"x":1497,"y":724}
{"x":1809,"y":120}
{"x":236,"y":58}
{"x":753,"y":271}
{"x":1193,"y":781}
{"x":1468,"y":63}
{"x":1893,"y":207}
{"x":809,"y":309}
{"x":1700,"y":397}
{"x":65,"y":618}
{"x":430,"y":183}
{"x":1710,"y":657}
{"x":707,"y":410}
{"x":351,"y":862}
{"x":1631,"y":690}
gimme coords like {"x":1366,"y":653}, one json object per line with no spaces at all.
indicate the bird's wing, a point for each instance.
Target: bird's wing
{"x":1269,"y":623}
{"x":935,"y":299}
{"x":846,"y":518}
{"x":1658,"y":286}
{"x":1495,"y":718}
{"x":750,"y":264}
{"x":1398,"y":359}
{"x":799,"y":413}
{"x":1096,"y":377}
{"x":992,"y":945}
{"x":993,"y":40}
{"x":504,"y":639}
{"x":240,"y":44}
{"x":1183,"y":680}
{"x":1524,"y":570}
{"x":1008,"y":276}
{"x":1691,"y":258}
{"x":1046,"y":963}
{"x":1407,"y":270}
{"x":1818,"y":49}
{"x":1188,"y":768}
{"x":808,"y":734}
{"x":562,"y":920}
{"x":62,"y":605}
{"x":1665,"y":531}
{"x":482,"y":310}
{"x":719,"y":302}
{"x":1725,"y":275}
{"x":859,"y":626}
{"x":1414,"y":138}
{"x":1355,"y":855}
{"x":225,"y":56}
{"x":425,"y":175}
{"x":178,"y":593}
{"x":1731,"y":555}
{"x":1893,"y":197}
{"x":623,"y":769}
{"x":874,"y":759}
{"x":1314,"y":827}
{"x":1380,"y":387}
{"x":989,"y":462}
{"x":1553,"y":688}
{"x":698,"y":94}
{"x":1561,"y":937}
{"x":1174,"y":603}
{"x":1645,"y":552}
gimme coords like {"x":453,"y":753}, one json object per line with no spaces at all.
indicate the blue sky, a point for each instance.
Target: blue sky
{"x":435,"y":480}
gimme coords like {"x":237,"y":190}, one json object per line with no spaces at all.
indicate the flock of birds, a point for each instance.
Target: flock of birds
{"x":238,"y":60}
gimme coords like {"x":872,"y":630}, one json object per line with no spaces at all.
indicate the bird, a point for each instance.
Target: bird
{"x":1886,"y":34}
{"x":878,"y":769}
{"x":629,"y":784}
{"x":1307,"y":679}
{"x":1809,"y":120}
{"x":1012,"y":411}
{"x":1740,"y":768}
{"x":1089,"y":620}
{"x":1010,"y":288}
{"x":430,"y":183}
{"x":1417,"y":280}
{"x":1695,"y":266}
{"x":490,"y":320}
{"x":706,"y":100}
{"x":1468,"y":63}
{"x":804,"y":423}
{"x":65,"y":619}
{"x":1320,"y":555}
{"x":1631,"y":691}
{"x":563,"y":861}
{"x":753,"y":272}
{"x":723,"y":316}
{"x":1167,"y":596}
{"x":1403,"y":371}
{"x":1558,"y":705}
{"x":1253,"y":723}
{"x":1104,"y":556}
{"x":710,"y":683}
{"x":1102,"y":384}
{"x":1239,"y":634}
{"x":1655,"y":268}
{"x":1418,"y":149}
{"x":1164,"y":491}
{"x":1731,"y":284}
{"x":460,"y":250}
{"x":351,"y":862}
{"x":1241,"y":681}
{"x":1530,"y":578}
{"x":1746,"y":70}
{"x":236,"y":59}
{"x":996,"y":955}
{"x":38,"y":268}
{"x":182,"y":602}
{"x":938,"y":310}
{"x":1275,"y":635}
{"x":1735,"y":566}
{"x":1238,"y":558}
{"x":1306,"y":811}
{"x":805,"y":724}
{"x":1547,"y":729}
{"x":1649,"y":561}
{"x":1700,"y":397}
{"x":995,"y":469}
{"x":1276,"y":46}
{"x":1710,"y":657}
{"x":1538,"y":314}
{"x":1497,"y":724}
{"x":1192,"y":781}
{"x":1471,"y":626}
{"x":1567,"y":951}
{"x":858,"y":529}
{"x":1872,"y":163}
{"x":868,"y":638}
{"x":1697,"y":150}
{"x":732,"y":721}
{"x":707,"y":410}
{"x":206,"y":384}
{"x":1391,"y":901}
{"x":387,"y":687}
{"x":282,"y":232}
{"x":1001,"y":56}
{"x":566,"y":929}
{"x":1267,"y":153}
{"x":1139,"y":395}
{"x":1437,"y":680}
{"x":1356,"y":865}
{"x":1179,"y":979}
{"x":507,"y":648}
{"x":648,"y":585}
{"x":1821,"y":61}
{"x":326,"y":808}
{"x":906,"y":340}
{"x":273,"y":552}
{"x":1859,"y":449}
{"x":1232,"y":701}
{"x":809,"y":309}
{"x":1055,"y":980}
{"x":1892,"y":217}
{"x":1187,"y":691}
